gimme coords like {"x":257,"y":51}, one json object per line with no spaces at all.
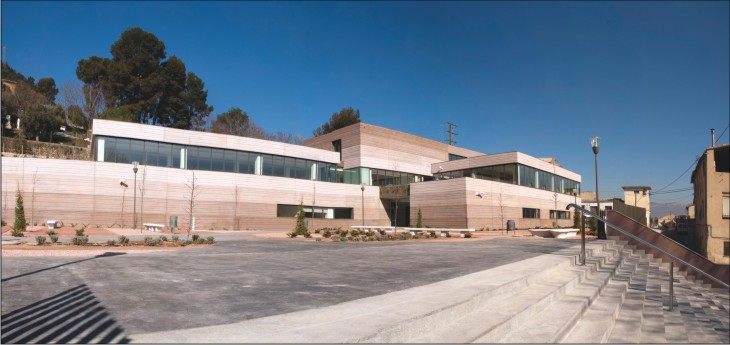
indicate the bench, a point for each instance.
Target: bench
{"x":54,"y":224}
{"x":442,"y":231}
{"x":373,"y":228}
{"x":154,"y":226}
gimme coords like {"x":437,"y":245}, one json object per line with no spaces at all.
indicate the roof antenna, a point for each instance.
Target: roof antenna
{"x":451,"y":133}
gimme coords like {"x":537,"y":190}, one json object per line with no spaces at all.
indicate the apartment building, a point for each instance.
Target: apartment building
{"x":711,"y":181}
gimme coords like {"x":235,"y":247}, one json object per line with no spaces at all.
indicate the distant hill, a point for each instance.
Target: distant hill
{"x":660,"y":209}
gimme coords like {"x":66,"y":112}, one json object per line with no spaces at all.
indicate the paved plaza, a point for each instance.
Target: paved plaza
{"x":234,"y":280}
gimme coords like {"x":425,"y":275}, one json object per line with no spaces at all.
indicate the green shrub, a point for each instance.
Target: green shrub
{"x":382,"y":232}
{"x":150,"y":241}
{"x":210,"y":239}
{"x":448,"y":234}
{"x":80,"y":232}
{"x":40,"y":240}
{"x":175,"y":238}
{"x":123,"y":240}
{"x":335,"y":238}
{"x":354,"y":232}
{"x":19,"y":225}
{"x":327,"y":234}
{"x":195,"y":237}
{"x":51,"y":232}
{"x":80,"y":240}
{"x":54,"y":238}
{"x":199,"y":241}
{"x":432,"y":233}
{"x":318,"y":239}
{"x":111,"y":243}
{"x":291,"y":234}
{"x":467,"y":235}
{"x":370,"y":233}
{"x":316,"y":231}
{"x":163,"y":238}
{"x":301,"y":228}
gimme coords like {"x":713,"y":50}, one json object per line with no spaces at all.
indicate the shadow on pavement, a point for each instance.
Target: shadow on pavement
{"x":73,"y":316}
{"x":61,"y":265}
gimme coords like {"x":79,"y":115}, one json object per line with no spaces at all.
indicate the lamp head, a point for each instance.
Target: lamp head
{"x":595,"y":144}
{"x":362,"y":187}
{"x":134,"y":166}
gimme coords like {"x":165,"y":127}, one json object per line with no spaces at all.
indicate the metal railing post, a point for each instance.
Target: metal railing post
{"x":648,"y":244}
{"x":583,"y":241}
{"x":671,"y":285}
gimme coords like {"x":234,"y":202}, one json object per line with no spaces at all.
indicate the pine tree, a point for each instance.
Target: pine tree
{"x":19,"y":225}
{"x":576,"y":219}
{"x":419,"y":221}
{"x":301,"y":228}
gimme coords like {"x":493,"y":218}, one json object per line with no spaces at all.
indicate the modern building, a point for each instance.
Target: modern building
{"x":358,"y":174}
{"x":710,"y":235}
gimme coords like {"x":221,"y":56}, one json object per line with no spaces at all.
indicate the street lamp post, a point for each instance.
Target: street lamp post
{"x":595,"y":145}
{"x":134,"y":168}
{"x":362,"y":204}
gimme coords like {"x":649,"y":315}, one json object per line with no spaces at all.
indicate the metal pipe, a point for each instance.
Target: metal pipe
{"x":583,"y":240}
{"x":627,"y":233}
{"x":671,"y":285}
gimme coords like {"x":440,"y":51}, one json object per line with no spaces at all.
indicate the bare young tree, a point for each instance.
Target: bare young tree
{"x":235,"y":208}
{"x":501,"y":210}
{"x":141,"y":188}
{"x":193,"y":191}
{"x":34,"y":181}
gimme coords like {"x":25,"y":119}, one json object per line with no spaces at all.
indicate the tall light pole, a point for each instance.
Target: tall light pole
{"x":362,"y":204}
{"x":595,"y":145}
{"x":134,"y":168}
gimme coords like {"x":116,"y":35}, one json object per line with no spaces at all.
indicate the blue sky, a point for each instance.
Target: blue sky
{"x":649,"y":78}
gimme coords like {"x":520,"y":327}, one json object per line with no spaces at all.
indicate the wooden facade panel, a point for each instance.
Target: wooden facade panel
{"x":92,"y":194}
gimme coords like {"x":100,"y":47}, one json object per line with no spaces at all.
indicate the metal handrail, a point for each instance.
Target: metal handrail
{"x":626,"y":232}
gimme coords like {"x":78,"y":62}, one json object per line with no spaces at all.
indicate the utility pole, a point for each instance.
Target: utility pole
{"x":451,"y":133}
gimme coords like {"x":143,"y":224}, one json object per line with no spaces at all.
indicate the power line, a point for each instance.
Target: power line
{"x":673,"y":191}
{"x":680,"y":176}
{"x":451,"y":133}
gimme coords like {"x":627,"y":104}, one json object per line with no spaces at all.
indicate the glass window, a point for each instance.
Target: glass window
{"x":530,"y":213}
{"x":192,"y":157}
{"x":244,"y":165}
{"x":204,"y":158}
{"x":453,"y":157}
{"x":164,"y":157}
{"x":278,"y":167}
{"x":343,"y":213}
{"x":509,"y":174}
{"x":150,"y":150}
{"x":122,"y":149}
{"x":180,"y":157}
{"x":289,"y":167}
{"x":229,"y":161}
{"x":216,"y":159}
{"x":726,"y":206}
{"x":308,"y":170}
{"x":301,"y":169}
{"x":555,"y":214}
{"x":267,"y":165}
{"x":136,"y":151}
{"x":110,"y":151}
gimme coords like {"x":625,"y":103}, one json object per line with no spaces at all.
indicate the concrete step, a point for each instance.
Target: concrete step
{"x":554,"y":322}
{"x":634,"y":307}
{"x":597,"y":322}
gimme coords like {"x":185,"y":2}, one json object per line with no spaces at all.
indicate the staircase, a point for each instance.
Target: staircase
{"x":621,"y":295}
